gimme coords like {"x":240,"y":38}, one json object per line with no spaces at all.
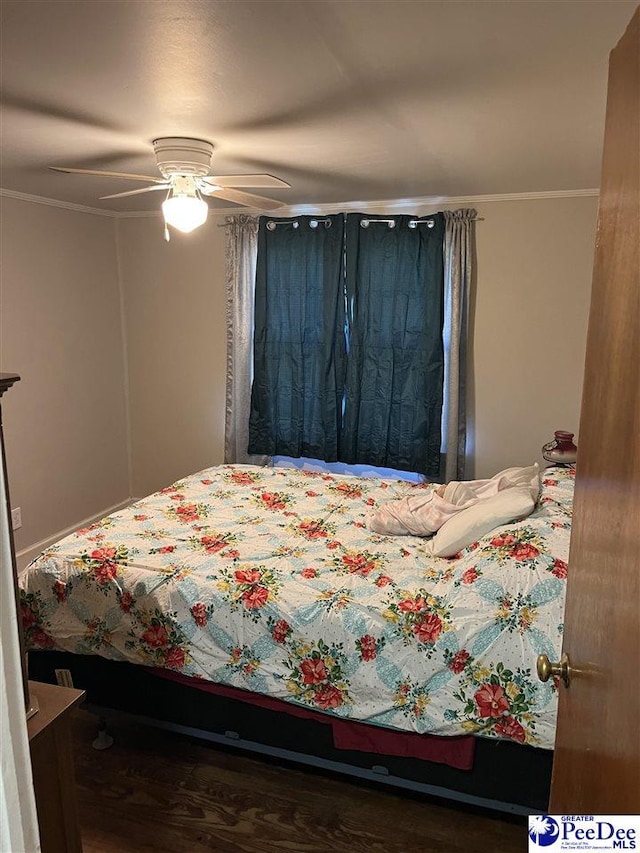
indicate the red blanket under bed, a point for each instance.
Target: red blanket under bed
{"x":454,"y":751}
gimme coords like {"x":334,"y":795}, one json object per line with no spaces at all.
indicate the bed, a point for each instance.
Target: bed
{"x":261,"y":592}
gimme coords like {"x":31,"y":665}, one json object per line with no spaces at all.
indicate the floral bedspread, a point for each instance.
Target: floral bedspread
{"x":267,"y":579}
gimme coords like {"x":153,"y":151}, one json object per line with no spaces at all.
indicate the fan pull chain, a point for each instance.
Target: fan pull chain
{"x":167,"y":236}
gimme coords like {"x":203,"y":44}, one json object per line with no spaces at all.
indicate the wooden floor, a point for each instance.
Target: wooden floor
{"x":158,"y":791}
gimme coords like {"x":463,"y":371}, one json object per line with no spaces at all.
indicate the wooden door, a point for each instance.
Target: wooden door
{"x":597,"y":760}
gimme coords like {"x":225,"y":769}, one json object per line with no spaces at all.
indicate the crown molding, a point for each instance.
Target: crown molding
{"x":113,"y":214}
{"x":409,"y":204}
{"x":54,"y":202}
{"x":383,"y":205}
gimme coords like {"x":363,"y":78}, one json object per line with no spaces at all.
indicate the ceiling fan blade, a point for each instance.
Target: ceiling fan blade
{"x":262,"y":181}
{"x":246,"y":199}
{"x":106,"y":174}
{"x":137,"y":192}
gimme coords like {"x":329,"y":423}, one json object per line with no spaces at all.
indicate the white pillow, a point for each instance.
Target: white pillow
{"x":468,"y":525}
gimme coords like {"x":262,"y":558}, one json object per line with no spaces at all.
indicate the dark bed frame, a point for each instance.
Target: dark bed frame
{"x":506,"y":776}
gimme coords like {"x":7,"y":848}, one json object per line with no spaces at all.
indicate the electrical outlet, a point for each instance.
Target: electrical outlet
{"x":16,"y":518}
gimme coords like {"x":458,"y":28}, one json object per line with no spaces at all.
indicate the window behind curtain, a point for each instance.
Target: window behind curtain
{"x":299,"y":341}
{"x":395,"y":365}
{"x":375,"y":398}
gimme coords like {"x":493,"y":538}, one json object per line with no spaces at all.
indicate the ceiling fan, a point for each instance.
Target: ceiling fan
{"x":184,"y":165}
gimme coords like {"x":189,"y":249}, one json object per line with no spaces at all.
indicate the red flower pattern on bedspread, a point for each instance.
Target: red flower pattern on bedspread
{"x":175,"y":658}
{"x":501,"y":702}
{"x":250,"y":589}
{"x":313,"y":529}
{"x":244,"y":478}
{"x":29,"y":618}
{"x":247,"y":576}
{"x":106,"y":563}
{"x":317,"y":675}
{"x":156,"y":637}
{"x":41,"y":639}
{"x":313,"y":671}
{"x":362,"y":563}
{"x":255,"y":597}
{"x":491,"y":700}
{"x":429,"y":629}
{"x":280,"y":630}
{"x":187,"y":513}
{"x":510,"y":728}
{"x":470,"y":575}
{"x":369,"y":646}
{"x":560,"y":569}
{"x":501,"y":541}
{"x":348,"y":490}
{"x":274,"y":500}
{"x":200,"y":614}
{"x":459,"y":661}
{"x":328,"y":697}
{"x":524,"y":551}
{"x":213,"y":544}
{"x":270,"y":580}
{"x":424,"y":617}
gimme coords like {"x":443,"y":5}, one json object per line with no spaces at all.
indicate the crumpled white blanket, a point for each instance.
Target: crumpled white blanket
{"x":424,"y":513}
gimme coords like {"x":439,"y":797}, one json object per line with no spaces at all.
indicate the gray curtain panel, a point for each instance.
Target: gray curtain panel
{"x":459,"y":251}
{"x":241,"y":242}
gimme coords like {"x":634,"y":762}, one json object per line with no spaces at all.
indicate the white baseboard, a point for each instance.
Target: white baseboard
{"x":26,"y":555}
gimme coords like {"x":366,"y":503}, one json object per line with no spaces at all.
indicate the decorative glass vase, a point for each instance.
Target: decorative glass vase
{"x":562,"y":450}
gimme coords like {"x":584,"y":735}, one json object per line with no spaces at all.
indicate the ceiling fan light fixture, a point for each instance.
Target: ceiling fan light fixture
{"x":184,"y":164}
{"x":185,"y":212}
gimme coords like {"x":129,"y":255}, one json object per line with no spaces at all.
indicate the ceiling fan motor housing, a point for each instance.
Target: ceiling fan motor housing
{"x":177,"y":155}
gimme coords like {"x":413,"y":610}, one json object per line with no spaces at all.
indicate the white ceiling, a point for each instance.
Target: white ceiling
{"x":347,"y":100}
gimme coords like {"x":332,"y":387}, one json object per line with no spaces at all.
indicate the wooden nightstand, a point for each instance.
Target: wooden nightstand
{"x":52,"y":765}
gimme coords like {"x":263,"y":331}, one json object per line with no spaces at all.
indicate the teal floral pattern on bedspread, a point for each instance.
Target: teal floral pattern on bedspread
{"x":268,"y":579}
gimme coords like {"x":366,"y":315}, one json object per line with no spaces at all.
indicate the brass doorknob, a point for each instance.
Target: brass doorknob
{"x":546,"y":669}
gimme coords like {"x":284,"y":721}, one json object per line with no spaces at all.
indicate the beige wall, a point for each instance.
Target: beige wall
{"x":529,"y":336}
{"x":529,"y":329}
{"x":175,"y":319}
{"x":60,"y":329}
{"x":529,"y":312}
